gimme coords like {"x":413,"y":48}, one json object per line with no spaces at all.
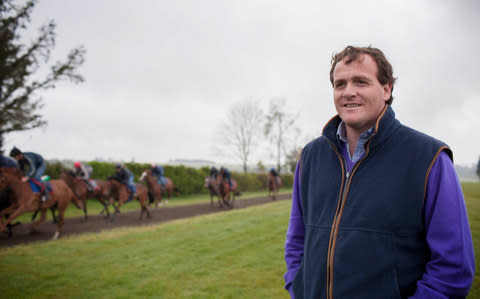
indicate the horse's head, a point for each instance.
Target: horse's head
{"x":207,"y":182}
{"x":144,"y":174}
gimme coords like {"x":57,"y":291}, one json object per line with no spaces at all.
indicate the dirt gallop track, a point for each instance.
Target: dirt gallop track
{"x":100,"y":223}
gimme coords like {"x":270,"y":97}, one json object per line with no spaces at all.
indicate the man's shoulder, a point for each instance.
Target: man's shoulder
{"x":417,"y":136}
{"x":315,"y":143}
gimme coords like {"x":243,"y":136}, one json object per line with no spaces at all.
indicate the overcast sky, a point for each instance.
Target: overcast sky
{"x":162,"y":75}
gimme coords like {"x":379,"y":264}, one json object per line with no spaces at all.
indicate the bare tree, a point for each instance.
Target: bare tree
{"x":277,"y":127}
{"x":19,"y":63}
{"x":239,"y":134}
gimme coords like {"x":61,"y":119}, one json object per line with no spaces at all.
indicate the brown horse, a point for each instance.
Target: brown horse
{"x":273,"y":185}
{"x":80,"y":189}
{"x":211,"y":185}
{"x":118,"y":192}
{"x":225,"y":190}
{"x":25,"y":200}
{"x":155,"y":189}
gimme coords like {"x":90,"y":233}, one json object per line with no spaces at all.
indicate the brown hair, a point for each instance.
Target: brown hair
{"x":384,"y":68}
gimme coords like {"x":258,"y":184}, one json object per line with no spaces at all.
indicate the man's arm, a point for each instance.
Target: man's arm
{"x":450,"y":271}
{"x":295,"y":235}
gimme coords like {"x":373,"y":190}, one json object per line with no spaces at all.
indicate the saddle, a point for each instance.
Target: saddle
{"x":38,"y":186}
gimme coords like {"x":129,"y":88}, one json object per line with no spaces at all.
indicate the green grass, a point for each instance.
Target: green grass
{"x":94,"y":207}
{"x":236,"y":254}
{"x":471,"y":191}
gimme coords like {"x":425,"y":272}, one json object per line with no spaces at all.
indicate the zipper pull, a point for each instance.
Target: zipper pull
{"x":347,"y":175}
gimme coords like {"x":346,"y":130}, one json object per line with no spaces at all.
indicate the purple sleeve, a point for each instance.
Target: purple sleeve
{"x":450,"y":271}
{"x":295,"y":235}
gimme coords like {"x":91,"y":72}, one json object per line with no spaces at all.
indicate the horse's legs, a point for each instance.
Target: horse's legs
{"x":84,"y":201}
{"x":22,"y":209}
{"x":143,"y":205}
{"x":43,"y":216}
{"x":62,"y":206}
{"x":105,"y":206}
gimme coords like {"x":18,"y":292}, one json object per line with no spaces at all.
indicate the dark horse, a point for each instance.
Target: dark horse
{"x":211,"y":185}
{"x":155,"y":189}
{"x":273,"y":185}
{"x":25,"y":200}
{"x":226,"y":193}
{"x":118,"y":192}
{"x":80,"y":189}
{"x":6,"y":199}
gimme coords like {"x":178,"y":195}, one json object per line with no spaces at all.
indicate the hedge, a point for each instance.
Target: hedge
{"x":188,"y":180}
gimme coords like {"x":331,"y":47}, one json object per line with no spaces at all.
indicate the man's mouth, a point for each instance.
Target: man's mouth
{"x":351,"y":105}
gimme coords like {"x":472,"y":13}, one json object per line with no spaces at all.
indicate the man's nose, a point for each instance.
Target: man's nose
{"x":350,"y":90}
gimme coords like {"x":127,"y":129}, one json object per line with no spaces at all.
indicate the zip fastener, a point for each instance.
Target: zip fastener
{"x":334,"y":231}
{"x":329,"y":291}
{"x":338,"y":212}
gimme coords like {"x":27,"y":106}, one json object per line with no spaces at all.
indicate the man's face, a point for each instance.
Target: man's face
{"x":358,"y":95}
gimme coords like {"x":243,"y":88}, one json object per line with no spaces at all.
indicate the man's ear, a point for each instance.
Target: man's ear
{"x":387,"y":91}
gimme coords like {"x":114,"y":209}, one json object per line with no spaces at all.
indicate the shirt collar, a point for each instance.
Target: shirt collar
{"x":342,"y":133}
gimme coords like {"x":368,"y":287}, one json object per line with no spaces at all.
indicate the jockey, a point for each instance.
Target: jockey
{"x":84,"y":171}
{"x":125,"y":176}
{"x":226,"y":174}
{"x":33,"y":166}
{"x":274,"y":173}
{"x":158,"y":172}
{"x":213,"y":172}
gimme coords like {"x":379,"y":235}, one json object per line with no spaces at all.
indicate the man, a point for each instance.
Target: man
{"x":377,"y":208}
{"x":225,"y":173}
{"x":158,"y":172}
{"x":33,"y":166}
{"x":84,"y":171}
{"x":274,"y":174}
{"x":213,"y":172}
{"x":125,"y":176}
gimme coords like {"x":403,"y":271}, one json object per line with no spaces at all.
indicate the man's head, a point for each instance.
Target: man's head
{"x":361,"y":89}
{"x":77,"y":164}
{"x":384,"y":68}
{"x":16,"y":153}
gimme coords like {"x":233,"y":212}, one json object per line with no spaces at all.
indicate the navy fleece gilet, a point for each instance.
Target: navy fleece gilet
{"x":364,"y":236}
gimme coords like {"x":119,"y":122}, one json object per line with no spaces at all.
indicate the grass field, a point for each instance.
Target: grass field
{"x":471,"y":191}
{"x":237,"y":254}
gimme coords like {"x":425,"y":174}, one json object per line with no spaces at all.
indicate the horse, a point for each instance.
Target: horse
{"x":211,"y":185}
{"x":6,"y":199}
{"x":273,"y":185}
{"x":80,"y":189}
{"x":117,"y":191}
{"x":25,"y":200}
{"x":155,"y":189}
{"x":225,"y":190}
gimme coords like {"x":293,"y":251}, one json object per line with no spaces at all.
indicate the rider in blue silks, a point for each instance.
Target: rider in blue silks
{"x":158,"y":172}
{"x":123,"y":175}
{"x":274,"y":173}
{"x":226,"y":174}
{"x":33,"y":166}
